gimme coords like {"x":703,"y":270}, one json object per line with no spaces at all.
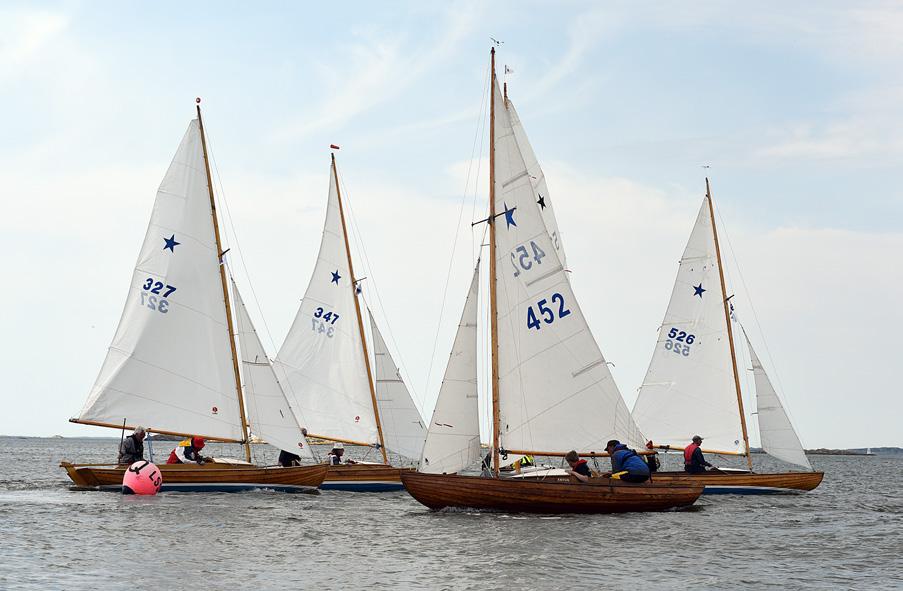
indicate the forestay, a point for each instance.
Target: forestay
{"x":453,"y":439}
{"x":170,"y":364}
{"x":321,"y":363}
{"x":779,"y":439}
{"x":555,"y":389}
{"x":689,"y":387}
{"x":269,"y":413}
{"x":403,"y":428}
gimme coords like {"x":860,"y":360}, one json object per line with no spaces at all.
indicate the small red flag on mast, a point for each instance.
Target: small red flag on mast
{"x":334,"y":147}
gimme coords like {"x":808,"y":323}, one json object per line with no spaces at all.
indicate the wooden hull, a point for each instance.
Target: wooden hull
{"x":746,"y":483}
{"x":364,"y":478}
{"x":602,"y":495}
{"x":207,"y":477}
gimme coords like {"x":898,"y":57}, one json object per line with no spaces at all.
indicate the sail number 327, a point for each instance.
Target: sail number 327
{"x":679,"y":341}
{"x":154,"y":294}
{"x":545,"y":312}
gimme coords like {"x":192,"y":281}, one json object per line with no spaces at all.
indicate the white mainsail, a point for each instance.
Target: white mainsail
{"x":321,"y":364}
{"x":170,"y":364}
{"x":269,"y":415}
{"x":403,"y":428}
{"x":556,"y":392}
{"x":453,"y":439}
{"x":538,"y":180}
{"x":779,"y":439}
{"x":689,"y":388}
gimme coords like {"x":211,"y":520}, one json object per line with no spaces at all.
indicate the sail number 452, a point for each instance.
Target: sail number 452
{"x":545,"y":312}
{"x":679,"y":341}
{"x":154,"y":294}
{"x":521,"y":257}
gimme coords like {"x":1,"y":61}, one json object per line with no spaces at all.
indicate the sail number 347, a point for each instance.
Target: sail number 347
{"x":322,"y":322}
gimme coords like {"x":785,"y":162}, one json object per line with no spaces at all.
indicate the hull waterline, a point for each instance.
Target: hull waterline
{"x":602,"y":495}
{"x":364,"y":478}
{"x":212,"y":477}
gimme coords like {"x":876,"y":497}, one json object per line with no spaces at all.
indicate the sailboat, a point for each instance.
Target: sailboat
{"x":551,"y":388}
{"x":339,"y":393}
{"x":174,"y":366}
{"x":692,"y":385}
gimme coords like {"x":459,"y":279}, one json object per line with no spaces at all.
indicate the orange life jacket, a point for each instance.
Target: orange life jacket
{"x":688,"y":452}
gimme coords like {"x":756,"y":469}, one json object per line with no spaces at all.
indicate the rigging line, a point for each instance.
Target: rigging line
{"x":755,"y":314}
{"x":451,"y":259}
{"x":234,"y":237}
{"x":359,"y":246}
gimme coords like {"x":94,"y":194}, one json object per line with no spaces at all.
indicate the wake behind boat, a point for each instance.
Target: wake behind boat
{"x":174,"y":363}
{"x":547,"y":370}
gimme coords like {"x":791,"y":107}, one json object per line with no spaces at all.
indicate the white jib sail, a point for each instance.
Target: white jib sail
{"x":169,"y":366}
{"x":321,"y":363}
{"x":556,"y":392}
{"x":453,"y":439}
{"x":403,"y":428}
{"x":689,"y":387}
{"x":538,"y":180}
{"x":269,"y":415}
{"x":779,"y":439}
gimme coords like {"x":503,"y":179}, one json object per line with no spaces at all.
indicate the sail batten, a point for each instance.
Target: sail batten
{"x":170,"y":364}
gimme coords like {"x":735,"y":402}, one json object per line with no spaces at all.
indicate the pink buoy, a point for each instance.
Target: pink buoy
{"x":142,"y":478}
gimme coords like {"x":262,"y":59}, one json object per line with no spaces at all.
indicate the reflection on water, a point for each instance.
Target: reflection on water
{"x":845,"y":534}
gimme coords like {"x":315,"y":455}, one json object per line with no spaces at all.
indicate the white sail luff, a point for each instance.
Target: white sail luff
{"x":556,"y":392}
{"x":453,"y":439}
{"x":689,"y":388}
{"x":321,"y":364}
{"x":169,"y":366}
{"x":779,"y":438}
{"x":403,"y":428}
{"x":269,"y":413}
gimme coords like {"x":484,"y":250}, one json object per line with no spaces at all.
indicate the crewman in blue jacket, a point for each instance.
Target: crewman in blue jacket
{"x":626,"y":464}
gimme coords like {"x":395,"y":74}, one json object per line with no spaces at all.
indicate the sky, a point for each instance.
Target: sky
{"x":797,"y":110}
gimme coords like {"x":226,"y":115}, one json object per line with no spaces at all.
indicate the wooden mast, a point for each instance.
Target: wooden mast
{"x":222,"y":276}
{"x":493,"y":304}
{"x":360,"y":320}
{"x":727,"y":319}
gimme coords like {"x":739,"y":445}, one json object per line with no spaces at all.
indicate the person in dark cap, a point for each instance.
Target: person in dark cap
{"x":626,"y":464}
{"x":694,"y":461}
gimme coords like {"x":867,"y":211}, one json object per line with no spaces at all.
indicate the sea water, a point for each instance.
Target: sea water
{"x":848,"y":533}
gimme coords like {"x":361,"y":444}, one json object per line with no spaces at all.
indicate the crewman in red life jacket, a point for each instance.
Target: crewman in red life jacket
{"x":694,"y":461}
{"x":191,"y":453}
{"x":579,"y":468}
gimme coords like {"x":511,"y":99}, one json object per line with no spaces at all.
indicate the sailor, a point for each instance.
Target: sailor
{"x":626,"y":464}
{"x":694,"y":461}
{"x":288,"y":459}
{"x":652,"y":458}
{"x":190,"y":453}
{"x":131,"y":449}
{"x":335,"y":456}
{"x":579,"y":468}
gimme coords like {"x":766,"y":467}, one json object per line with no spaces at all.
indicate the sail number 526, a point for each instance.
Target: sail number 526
{"x":545,"y":312}
{"x":679,"y":341}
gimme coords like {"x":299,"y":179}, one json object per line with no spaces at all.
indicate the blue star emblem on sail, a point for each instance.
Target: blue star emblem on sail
{"x":509,"y":216}
{"x":336,"y":277}
{"x":697,"y":290}
{"x":171,"y":243}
